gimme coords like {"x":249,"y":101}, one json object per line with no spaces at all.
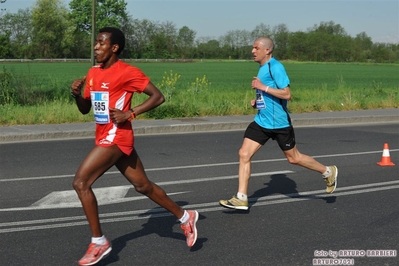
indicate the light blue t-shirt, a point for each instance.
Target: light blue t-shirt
{"x":272,"y":111}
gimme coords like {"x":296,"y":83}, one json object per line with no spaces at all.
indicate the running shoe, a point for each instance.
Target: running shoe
{"x":95,"y":253}
{"x":189,"y":228}
{"x":235,"y":203}
{"x":331,"y":180}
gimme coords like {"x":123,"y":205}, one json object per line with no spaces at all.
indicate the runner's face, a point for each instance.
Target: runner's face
{"x":261,"y":54}
{"x":103,"y":50}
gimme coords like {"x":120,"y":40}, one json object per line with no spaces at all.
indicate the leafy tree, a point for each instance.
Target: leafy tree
{"x":74,"y":44}
{"x":49,"y":22}
{"x":329,"y":28}
{"x":167,"y":33}
{"x":236,"y":44}
{"x":209,"y":49}
{"x":158,"y":41}
{"x":159,"y":44}
{"x":364,"y":41}
{"x":261,"y":30}
{"x":149,"y":51}
{"x":395,"y":51}
{"x":139,"y":37}
{"x":131,"y":41}
{"x":49,"y":30}
{"x":382,"y":53}
{"x":361,"y":47}
{"x":185,"y":41}
{"x":18,"y":27}
{"x":299,"y":46}
{"x":108,"y":13}
{"x":281,"y":36}
{"x":5,"y":50}
{"x":236,"y":38}
{"x":328,"y":42}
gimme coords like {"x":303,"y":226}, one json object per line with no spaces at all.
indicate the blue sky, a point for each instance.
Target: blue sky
{"x":213,"y":18}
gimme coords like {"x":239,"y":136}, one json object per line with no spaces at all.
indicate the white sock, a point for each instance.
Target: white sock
{"x":327,"y":172}
{"x":242,"y":196}
{"x":184,"y":218}
{"x":98,"y":240}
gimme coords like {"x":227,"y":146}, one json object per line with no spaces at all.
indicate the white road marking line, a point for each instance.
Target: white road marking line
{"x":194,"y":166}
{"x":202,"y":208}
{"x":116,"y":194}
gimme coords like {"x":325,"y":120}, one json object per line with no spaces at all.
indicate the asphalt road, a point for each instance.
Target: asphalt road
{"x":291,"y":220}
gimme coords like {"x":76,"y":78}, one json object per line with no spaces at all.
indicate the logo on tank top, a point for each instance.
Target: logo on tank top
{"x":105,"y":85}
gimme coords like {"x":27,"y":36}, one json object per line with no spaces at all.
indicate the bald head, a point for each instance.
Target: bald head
{"x":266,"y":42}
{"x":262,"y":50}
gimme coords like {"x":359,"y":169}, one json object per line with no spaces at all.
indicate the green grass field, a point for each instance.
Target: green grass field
{"x":34,"y":93}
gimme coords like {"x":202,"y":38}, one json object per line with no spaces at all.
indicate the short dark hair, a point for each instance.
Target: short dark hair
{"x":116,"y":37}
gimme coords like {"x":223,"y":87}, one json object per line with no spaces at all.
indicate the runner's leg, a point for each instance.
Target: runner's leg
{"x":99,"y":160}
{"x":295,"y":157}
{"x":132,"y":168}
{"x":246,"y":152}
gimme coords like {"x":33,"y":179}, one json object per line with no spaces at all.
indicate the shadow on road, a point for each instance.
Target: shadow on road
{"x":160,"y":223}
{"x":281,"y":184}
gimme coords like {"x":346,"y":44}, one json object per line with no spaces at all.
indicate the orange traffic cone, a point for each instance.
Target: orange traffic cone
{"x":386,"y":158}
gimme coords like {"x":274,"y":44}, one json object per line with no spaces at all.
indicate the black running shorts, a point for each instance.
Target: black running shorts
{"x":285,"y":137}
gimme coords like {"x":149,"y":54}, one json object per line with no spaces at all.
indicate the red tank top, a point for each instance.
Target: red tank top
{"x":113,"y":88}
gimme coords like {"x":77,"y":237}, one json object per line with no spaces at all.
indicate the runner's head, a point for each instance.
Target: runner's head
{"x":116,"y":37}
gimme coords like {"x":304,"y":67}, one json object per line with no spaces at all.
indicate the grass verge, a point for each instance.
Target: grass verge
{"x":38,"y":93}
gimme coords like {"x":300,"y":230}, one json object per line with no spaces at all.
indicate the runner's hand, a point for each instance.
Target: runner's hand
{"x":117,"y":116}
{"x":256,"y":83}
{"x":77,"y":85}
{"x":253,"y":103}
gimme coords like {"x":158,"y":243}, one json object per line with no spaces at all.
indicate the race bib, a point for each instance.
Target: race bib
{"x":260,"y":102}
{"x":100,"y":103}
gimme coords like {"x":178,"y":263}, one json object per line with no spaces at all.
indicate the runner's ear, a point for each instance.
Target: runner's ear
{"x":115,"y":48}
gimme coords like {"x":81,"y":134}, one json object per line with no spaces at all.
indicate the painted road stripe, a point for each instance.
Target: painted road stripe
{"x":193,"y":166}
{"x":202,"y":208}
{"x":116,"y":194}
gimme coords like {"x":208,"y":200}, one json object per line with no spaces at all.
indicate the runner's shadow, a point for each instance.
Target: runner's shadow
{"x":160,"y":222}
{"x":281,"y":184}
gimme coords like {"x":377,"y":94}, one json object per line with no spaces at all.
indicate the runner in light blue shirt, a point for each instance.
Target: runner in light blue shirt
{"x":272,"y":89}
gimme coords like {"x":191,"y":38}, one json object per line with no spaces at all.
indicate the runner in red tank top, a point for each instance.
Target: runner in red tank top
{"x":113,"y":87}
{"x":109,"y":89}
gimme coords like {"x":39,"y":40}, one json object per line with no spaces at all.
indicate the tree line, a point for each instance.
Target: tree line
{"x":48,"y":29}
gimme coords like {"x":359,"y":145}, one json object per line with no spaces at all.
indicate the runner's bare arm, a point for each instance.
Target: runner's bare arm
{"x":84,"y":105}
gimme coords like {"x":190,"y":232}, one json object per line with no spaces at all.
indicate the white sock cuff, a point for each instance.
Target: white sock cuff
{"x":327,"y":172}
{"x":98,"y":240}
{"x":185,"y":217}
{"x":242,"y":196}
